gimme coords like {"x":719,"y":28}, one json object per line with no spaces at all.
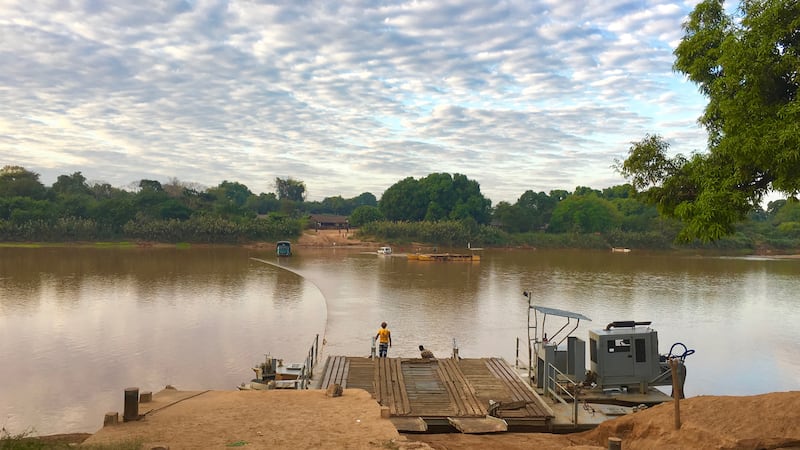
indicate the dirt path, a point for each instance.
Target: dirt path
{"x":331,"y":238}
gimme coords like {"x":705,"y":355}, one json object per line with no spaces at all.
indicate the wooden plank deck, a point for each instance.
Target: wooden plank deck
{"x":515,"y":400}
{"x":440,"y":389}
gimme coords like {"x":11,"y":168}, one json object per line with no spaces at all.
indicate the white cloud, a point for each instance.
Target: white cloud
{"x":347,"y":96}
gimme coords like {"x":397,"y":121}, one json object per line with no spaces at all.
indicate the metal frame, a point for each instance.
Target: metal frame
{"x":537,"y":340}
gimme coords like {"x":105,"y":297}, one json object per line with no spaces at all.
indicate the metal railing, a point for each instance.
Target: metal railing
{"x":559,"y":385}
{"x":311,"y":361}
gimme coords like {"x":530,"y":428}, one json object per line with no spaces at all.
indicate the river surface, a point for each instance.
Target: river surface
{"x":79,"y":325}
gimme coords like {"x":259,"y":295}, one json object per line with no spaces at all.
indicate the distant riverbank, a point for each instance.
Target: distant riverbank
{"x":353,"y":239}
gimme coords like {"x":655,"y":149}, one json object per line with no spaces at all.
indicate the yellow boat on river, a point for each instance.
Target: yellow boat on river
{"x":444,"y":257}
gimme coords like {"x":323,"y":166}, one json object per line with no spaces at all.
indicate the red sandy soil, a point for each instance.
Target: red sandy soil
{"x":310,"y":419}
{"x":330,"y":238}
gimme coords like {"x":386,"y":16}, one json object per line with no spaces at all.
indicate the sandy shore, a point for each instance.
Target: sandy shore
{"x":310,"y":419}
{"x":331,"y":238}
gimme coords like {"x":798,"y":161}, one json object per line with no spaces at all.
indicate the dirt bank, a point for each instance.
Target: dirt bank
{"x":330,"y":238}
{"x":310,"y":419}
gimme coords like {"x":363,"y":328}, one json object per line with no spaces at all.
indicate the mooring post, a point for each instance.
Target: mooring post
{"x":131,"y":404}
{"x":614,"y":443}
{"x":676,"y":392}
{"x":111,"y":418}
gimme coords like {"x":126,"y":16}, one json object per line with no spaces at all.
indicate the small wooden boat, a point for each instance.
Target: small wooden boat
{"x":273,"y":374}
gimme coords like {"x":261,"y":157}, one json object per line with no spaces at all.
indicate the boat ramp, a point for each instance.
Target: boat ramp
{"x":472,"y":395}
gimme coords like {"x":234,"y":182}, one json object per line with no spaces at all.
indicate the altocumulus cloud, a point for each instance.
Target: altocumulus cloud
{"x":348,"y":96}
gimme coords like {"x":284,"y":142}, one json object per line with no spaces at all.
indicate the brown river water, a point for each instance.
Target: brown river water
{"x":79,"y":325}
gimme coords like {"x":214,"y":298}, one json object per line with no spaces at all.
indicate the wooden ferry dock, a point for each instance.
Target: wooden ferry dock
{"x":476,"y":395}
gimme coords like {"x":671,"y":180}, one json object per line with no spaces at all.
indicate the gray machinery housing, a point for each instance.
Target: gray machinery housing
{"x":623,"y":355}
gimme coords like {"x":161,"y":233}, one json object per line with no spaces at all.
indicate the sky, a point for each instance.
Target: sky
{"x":346,"y":96}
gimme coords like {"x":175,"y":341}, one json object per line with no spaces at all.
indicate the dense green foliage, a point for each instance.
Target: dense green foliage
{"x":290,"y":189}
{"x":439,"y":196}
{"x":72,"y":210}
{"x":748,"y":68}
{"x":448,"y":233}
{"x":365,"y":214}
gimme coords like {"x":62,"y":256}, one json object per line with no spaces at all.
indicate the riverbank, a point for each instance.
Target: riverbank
{"x":352,"y":239}
{"x":311,"y":419}
{"x":332,"y":238}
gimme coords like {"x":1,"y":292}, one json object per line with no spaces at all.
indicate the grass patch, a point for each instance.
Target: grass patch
{"x":27,"y":441}
{"x":20,"y":245}
{"x":183,"y":245}
{"x":80,"y":244}
{"x":114,"y":244}
{"x":135,"y":444}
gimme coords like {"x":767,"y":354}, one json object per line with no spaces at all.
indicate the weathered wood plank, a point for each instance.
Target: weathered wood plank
{"x":345,"y":373}
{"x":333,"y":373}
{"x":403,"y":399}
{"x":379,"y":394}
{"x":472,"y":405}
{"x":452,"y":390}
{"x":510,"y":380}
{"x":414,"y":424}
{"x":336,"y":375}
{"x":463,"y":395}
{"x":534,"y":405}
{"x":326,"y":377}
{"x":414,"y":388}
{"x":392,"y":366}
{"x":427,"y":394}
{"x":385,"y":398}
{"x":478,"y":424}
{"x":360,"y":374}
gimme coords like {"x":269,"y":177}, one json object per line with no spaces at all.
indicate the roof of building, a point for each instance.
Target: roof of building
{"x":328,"y":218}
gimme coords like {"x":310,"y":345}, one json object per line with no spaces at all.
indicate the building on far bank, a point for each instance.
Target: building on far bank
{"x":328,"y":222}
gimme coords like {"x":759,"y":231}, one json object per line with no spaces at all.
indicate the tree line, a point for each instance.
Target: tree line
{"x":440,"y":209}
{"x":74,"y":210}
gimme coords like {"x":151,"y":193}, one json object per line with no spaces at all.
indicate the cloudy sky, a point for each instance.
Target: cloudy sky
{"x":347,"y":96}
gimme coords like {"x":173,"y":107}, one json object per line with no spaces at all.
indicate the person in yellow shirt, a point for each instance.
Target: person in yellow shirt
{"x":384,"y":338}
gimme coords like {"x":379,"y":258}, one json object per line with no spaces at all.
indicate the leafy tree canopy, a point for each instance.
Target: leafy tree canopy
{"x":74,"y":184}
{"x":536,"y":209}
{"x":404,"y":200}
{"x":233,"y":192}
{"x":290,"y":189}
{"x":749,"y":69}
{"x":365,"y":199}
{"x":150,"y":185}
{"x":439,"y":196}
{"x":16,"y":181}
{"x":585,"y":214}
{"x":365,"y":214}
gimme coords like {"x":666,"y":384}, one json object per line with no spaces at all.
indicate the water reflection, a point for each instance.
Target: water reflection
{"x":288,"y":287}
{"x":80,"y":325}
